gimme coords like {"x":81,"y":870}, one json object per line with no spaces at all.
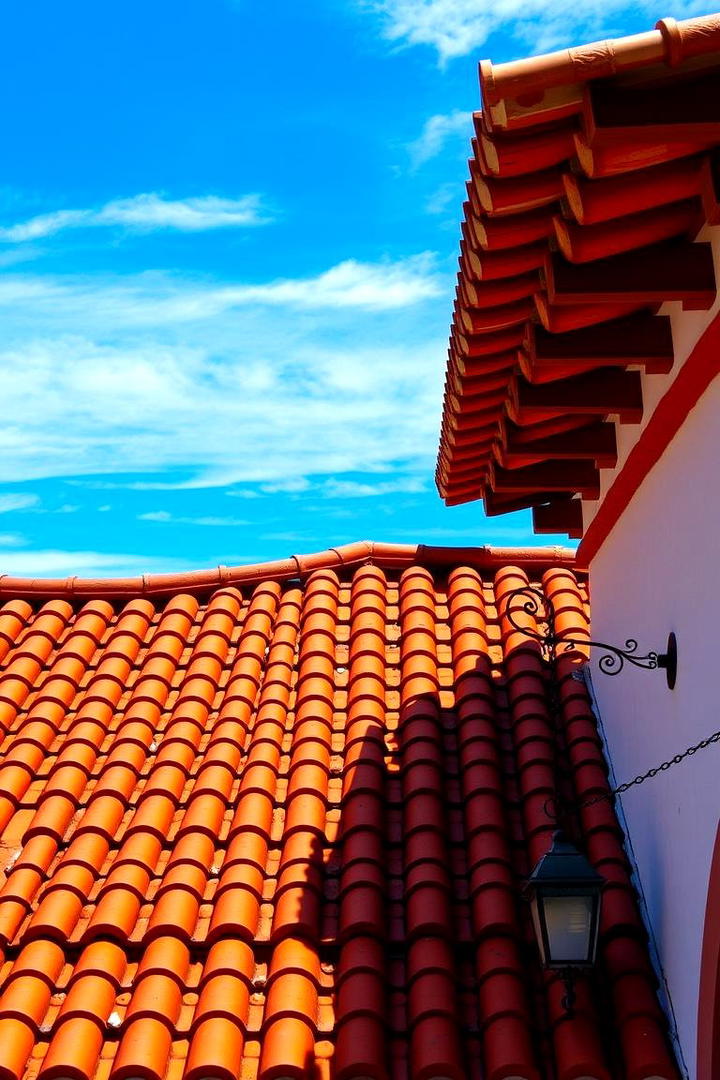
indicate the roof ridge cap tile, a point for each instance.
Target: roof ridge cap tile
{"x":670,"y":42}
{"x":363,"y":551}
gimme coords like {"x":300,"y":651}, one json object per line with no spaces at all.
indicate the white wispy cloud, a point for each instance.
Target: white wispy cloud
{"x":172,"y":519}
{"x":245,"y":493}
{"x":55,"y":562}
{"x":456,"y":27}
{"x":293,"y":485}
{"x":435,"y":134}
{"x":145,"y":213}
{"x":76,"y":408}
{"x":353,"y":489}
{"x":161,"y":299}
{"x":443,"y":199}
{"x":291,"y":537}
{"x":138,"y":376}
{"x":17,"y":501}
{"x":332,"y":488}
{"x":349,"y":284}
{"x":160,"y":382}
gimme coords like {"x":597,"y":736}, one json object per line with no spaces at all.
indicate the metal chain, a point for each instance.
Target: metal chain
{"x":642,"y":777}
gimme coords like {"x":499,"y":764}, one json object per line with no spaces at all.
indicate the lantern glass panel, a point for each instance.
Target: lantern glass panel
{"x":569,"y":924}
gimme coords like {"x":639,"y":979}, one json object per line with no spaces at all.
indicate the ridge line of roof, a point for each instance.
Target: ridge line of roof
{"x":670,"y":42}
{"x":387,"y":556}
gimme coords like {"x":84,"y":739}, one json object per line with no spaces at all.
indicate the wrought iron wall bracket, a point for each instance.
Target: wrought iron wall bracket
{"x":534,"y":602}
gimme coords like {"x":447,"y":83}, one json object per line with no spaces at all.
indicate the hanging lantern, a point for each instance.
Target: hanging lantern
{"x":564,"y":894}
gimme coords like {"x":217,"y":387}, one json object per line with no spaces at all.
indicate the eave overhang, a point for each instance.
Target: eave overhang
{"x":593,"y":172}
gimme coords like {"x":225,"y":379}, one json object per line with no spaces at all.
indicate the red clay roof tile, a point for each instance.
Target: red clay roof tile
{"x":591,"y":174}
{"x":282,"y":829}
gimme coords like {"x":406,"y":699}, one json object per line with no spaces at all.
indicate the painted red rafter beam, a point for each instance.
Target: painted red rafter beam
{"x":651,"y":275}
{"x":595,"y":442}
{"x":659,"y":108}
{"x":597,"y":393}
{"x":560,"y":516}
{"x":549,"y":476}
{"x":641,"y":339}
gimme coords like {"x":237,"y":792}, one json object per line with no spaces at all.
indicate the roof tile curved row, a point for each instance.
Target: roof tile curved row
{"x":282,"y":830}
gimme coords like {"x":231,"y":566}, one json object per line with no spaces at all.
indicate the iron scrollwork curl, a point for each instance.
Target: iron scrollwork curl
{"x":534,"y":602}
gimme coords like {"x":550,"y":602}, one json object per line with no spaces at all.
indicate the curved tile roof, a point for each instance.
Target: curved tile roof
{"x":280,"y":828}
{"x":593,"y":171}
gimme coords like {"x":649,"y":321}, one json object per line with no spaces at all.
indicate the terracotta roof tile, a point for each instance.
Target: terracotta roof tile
{"x":592,"y":171}
{"x":280,"y":829}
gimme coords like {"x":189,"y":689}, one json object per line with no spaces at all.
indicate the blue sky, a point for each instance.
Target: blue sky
{"x":228,"y":242}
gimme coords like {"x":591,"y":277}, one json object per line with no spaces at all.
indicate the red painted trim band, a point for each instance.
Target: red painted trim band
{"x":699,"y":370}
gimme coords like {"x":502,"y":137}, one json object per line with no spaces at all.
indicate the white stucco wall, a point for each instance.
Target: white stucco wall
{"x":659,"y":570}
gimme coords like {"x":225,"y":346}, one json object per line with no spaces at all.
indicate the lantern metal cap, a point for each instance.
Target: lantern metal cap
{"x":564,"y":865}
